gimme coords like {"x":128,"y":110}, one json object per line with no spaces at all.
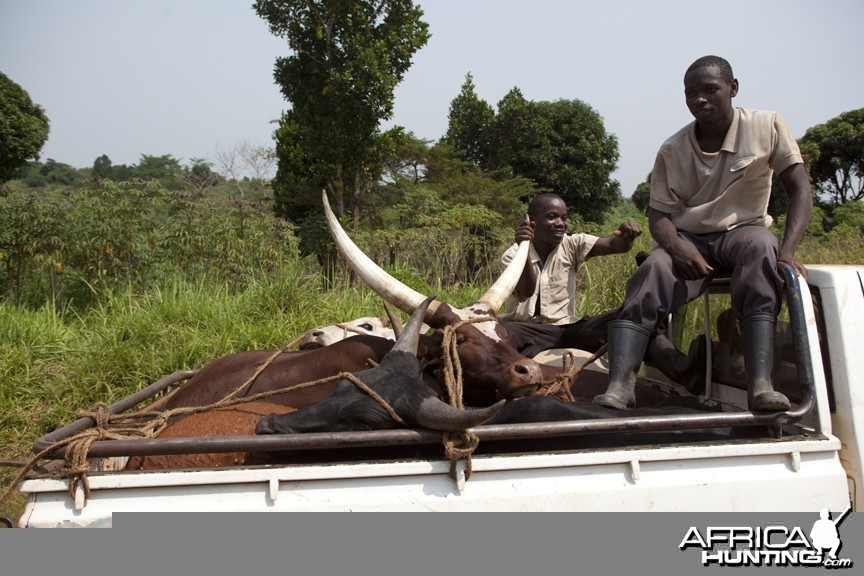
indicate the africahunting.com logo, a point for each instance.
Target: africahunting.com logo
{"x":771,"y":545}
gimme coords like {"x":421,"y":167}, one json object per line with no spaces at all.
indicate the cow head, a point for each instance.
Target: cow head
{"x":398,"y":382}
{"x":326,"y":335}
{"x":491,"y":368}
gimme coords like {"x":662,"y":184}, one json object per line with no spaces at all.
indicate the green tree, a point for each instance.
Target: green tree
{"x":642,"y":195}
{"x":51,"y":173}
{"x":102,"y":167}
{"x":24,"y":128}
{"x":199,"y":176}
{"x":584,"y":156}
{"x":835,"y":154}
{"x":348,"y":57}
{"x":165,"y":168}
{"x":461,"y":182}
{"x":562,"y":146}
{"x":470,"y":123}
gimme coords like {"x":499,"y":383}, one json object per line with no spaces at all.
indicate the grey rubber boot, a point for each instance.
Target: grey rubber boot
{"x":627,"y":344}
{"x":757,"y":339}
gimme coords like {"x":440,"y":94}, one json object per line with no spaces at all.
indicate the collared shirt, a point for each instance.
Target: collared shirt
{"x":715,"y":192}
{"x":556,"y":282}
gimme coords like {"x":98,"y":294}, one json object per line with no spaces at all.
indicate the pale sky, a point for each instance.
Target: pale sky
{"x":192,"y":77}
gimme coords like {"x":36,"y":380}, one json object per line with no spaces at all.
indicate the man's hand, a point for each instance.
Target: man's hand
{"x":689,"y":262}
{"x":525,"y":230}
{"x":795,"y":264}
{"x":629,"y":230}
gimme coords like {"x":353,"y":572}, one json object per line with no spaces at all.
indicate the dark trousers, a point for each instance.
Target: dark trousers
{"x":587,"y":334}
{"x":748,"y":253}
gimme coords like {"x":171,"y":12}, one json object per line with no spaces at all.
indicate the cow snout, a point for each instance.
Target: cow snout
{"x":525,"y":378}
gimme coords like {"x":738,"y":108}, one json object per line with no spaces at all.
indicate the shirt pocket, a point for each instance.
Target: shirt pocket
{"x":742,"y":163}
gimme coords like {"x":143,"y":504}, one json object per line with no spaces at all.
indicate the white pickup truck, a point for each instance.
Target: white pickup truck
{"x":807,"y":459}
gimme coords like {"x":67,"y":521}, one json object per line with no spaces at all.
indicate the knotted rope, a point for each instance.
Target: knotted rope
{"x":149,"y":424}
{"x":457,"y":445}
{"x":568,"y":372}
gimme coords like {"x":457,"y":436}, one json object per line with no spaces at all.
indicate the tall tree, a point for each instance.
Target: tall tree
{"x":470,"y":124}
{"x":102,"y":167}
{"x":562,"y":146}
{"x":578,"y":158}
{"x":24,"y":128}
{"x":835,"y":151}
{"x":348,"y":57}
{"x":165,"y":167}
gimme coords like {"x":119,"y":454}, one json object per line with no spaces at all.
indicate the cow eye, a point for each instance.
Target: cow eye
{"x":366,"y":326}
{"x":460,"y":340}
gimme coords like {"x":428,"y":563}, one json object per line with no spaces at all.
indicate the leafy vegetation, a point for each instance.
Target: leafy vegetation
{"x":347,"y":59}
{"x":24,"y":128}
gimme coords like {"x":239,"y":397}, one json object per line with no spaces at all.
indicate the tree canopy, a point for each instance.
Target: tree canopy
{"x":348,"y":57}
{"x":24,"y":128}
{"x":835,"y":154}
{"x":561,"y":146}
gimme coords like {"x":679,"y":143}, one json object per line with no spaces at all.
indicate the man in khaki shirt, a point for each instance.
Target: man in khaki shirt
{"x":540,"y":314}
{"x":710,"y":189}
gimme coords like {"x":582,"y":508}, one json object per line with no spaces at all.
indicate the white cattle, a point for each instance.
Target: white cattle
{"x":326,"y":335}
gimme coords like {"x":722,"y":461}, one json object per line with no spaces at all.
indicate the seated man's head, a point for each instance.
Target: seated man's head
{"x":549,"y":214}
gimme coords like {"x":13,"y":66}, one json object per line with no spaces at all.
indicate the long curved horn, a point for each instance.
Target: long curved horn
{"x":404,"y":297}
{"x":407,"y":341}
{"x":390,"y":289}
{"x":506,"y":283}
{"x":436,"y":414}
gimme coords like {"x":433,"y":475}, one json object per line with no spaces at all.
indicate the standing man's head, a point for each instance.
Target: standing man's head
{"x":548,"y":212}
{"x":709,"y":87}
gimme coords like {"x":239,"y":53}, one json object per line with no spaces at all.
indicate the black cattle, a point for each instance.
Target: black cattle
{"x":398,"y":382}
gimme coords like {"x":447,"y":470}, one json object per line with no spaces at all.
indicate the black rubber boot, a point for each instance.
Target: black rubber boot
{"x":757,"y":339}
{"x":675,"y":365}
{"x":627,"y":344}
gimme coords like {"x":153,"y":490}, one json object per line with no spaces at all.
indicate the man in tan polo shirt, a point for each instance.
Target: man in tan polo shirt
{"x":541,"y":314}
{"x":710,"y":189}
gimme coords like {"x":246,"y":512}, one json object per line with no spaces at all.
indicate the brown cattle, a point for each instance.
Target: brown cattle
{"x":239,"y":420}
{"x":491,"y":368}
{"x":396,"y":379}
{"x":220,"y":378}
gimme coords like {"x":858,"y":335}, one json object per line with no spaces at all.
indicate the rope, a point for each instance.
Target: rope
{"x":137,"y":425}
{"x":461,"y":445}
{"x":457,"y":445}
{"x":109,"y":426}
{"x":552,"y":387}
